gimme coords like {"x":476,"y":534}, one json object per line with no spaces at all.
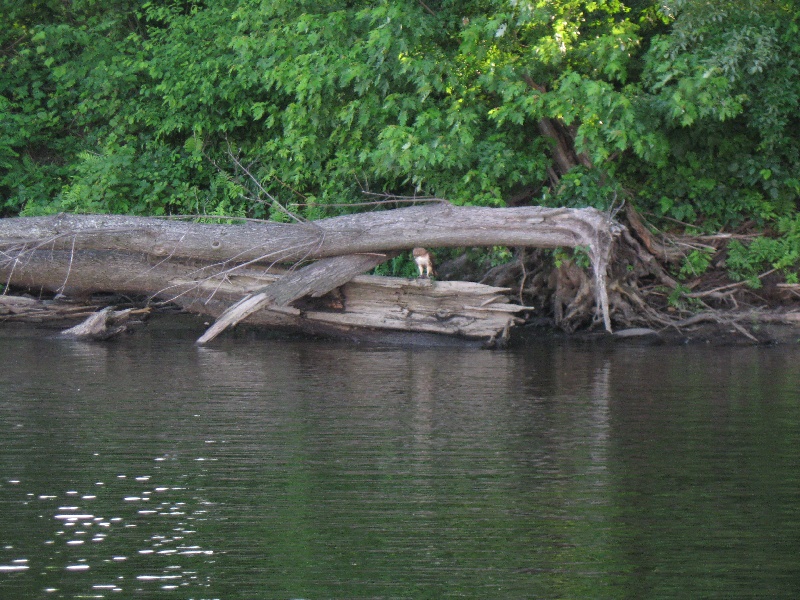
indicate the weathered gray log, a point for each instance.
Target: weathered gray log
{"x":102,"y":325}
{"x":461,"y":307}
{"x":227,"y":248}
{"x":314,"y":280}
{"x":32,"y":310}
{"x":369,"y":303}
{"x":457,"y":308}
{"x":432,"y":225}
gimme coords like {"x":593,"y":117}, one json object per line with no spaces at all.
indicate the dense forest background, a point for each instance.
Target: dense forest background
{"x":687,"y":111}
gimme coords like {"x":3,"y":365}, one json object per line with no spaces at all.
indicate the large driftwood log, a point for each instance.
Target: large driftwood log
{"x":169,"y":258}
{"x":364,"y":303}
{"x":432,"y":225}
{"x":315,"y":280}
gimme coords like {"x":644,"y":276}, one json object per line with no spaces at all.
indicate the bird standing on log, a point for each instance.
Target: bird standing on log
{"x":424,"y":261}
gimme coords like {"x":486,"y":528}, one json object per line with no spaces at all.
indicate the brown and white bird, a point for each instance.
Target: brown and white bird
{"x":424,"y":261}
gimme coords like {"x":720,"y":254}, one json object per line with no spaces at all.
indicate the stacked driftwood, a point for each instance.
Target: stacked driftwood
{"x":32,"y":310}
{"x":369,"y":303}
{"x":238,"y":272}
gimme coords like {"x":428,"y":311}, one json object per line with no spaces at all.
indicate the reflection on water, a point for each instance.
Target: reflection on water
{"x":264,"y":468}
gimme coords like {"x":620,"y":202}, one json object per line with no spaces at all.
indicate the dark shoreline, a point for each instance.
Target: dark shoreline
{"x":169,"y":321}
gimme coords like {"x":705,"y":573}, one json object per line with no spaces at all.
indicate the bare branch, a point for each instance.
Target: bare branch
{"x":427,"y":8}
{"x":247,"y":172}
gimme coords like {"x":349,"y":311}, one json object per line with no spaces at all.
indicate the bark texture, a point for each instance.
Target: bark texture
{"x":430,"y":226}
{"x":171,"y":259}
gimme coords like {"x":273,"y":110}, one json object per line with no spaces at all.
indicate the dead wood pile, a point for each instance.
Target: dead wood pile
{"x":645,"y":297}
{"x":238,"y":272}
{"x":203,"y":266}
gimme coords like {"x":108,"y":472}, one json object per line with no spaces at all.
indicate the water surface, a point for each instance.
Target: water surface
{"x":273,"y":468}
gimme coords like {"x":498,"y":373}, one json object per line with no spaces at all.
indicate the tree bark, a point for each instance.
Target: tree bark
{"x":315,"y":280}
{"x":81,"y":254}
{"x":442,"y":225}
{"x":565,"y":157}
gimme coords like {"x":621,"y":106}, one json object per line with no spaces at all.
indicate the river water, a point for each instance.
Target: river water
{"x":281,"y":468}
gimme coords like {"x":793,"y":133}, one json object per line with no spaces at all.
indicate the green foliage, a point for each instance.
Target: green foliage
{"x":499,"y":255}
{"x":696,"y":263}
{"x":578,"y":255}
{"x":723,"y":83}
{"x":585,"y":187}
{"x":317,"y":99}
{"x":492,"y":256}
{"x":245,"y":107}
{"x":747,"y":262}
{"x":679,"y":298}
{"x":402,"y":265}
{"x":135,"y":178}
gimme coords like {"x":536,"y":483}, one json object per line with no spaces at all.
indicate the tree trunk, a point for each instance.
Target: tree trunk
{"x":315,"y":280}
{"x":565,"y":157}
{"x":170,"y":259}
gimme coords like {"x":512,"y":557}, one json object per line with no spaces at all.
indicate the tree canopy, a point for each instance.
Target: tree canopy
{"x":293,"y":108}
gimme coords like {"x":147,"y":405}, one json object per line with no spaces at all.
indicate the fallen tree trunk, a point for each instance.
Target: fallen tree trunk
{"x":81,"y":254}
{"x":432,"y":225}
{"x":458,"y":308}
{"x":315,"y":280}
{"x":31,"y":310}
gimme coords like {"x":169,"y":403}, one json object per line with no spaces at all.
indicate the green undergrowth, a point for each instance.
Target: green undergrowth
{"x":748,"y":261}
{"x":300,"y":108}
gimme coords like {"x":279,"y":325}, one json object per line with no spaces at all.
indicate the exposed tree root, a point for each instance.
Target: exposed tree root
{"x":643,"y":295}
